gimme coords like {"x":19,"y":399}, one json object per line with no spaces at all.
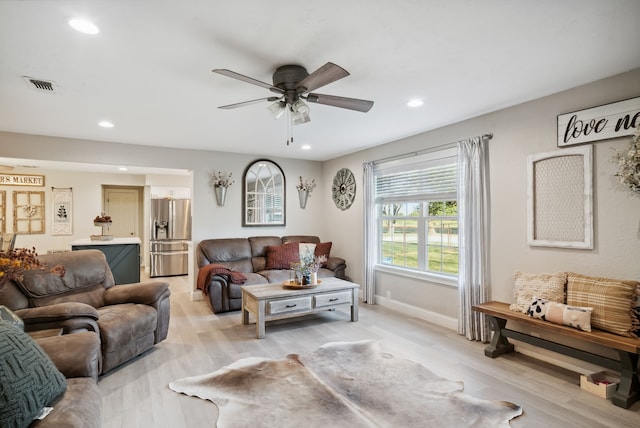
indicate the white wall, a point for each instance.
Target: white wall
{"x":517,"y":132}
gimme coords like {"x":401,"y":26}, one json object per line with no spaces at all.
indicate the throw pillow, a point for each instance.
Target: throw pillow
{"x":323,"y":248}
{"x":546,"y":286}
{"x":29,"y":380}
{"x":612,"y":301}
{"x":281,"y":256}
{"x":306,"y":249}
{"x":559,"y":313}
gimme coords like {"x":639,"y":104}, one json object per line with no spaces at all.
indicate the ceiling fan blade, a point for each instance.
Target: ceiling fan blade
{"x":342,"y":102}
{"x":246,"y":103}
{"x":247,"y":79}
{"x":326,"y":74}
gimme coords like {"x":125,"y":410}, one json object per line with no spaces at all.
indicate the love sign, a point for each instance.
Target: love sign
{"x":599,"y":123}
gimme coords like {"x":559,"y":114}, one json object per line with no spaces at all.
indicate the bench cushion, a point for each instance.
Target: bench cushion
{"x":558,"y":313}
{"x":612,"y":301}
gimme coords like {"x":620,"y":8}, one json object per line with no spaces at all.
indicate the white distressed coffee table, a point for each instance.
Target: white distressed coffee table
{"x":272,"y":301}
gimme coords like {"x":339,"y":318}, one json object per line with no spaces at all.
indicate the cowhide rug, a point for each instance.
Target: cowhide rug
{"x":341,"y":385}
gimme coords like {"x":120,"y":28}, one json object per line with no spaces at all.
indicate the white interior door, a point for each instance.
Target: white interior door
{"x":123,"y":205}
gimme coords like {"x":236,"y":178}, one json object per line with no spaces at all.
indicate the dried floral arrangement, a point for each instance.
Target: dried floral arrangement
{"x":629,"y":164}
{"x":221,"y":179}
{"x":306,"y":185}
{"x":14,"y":263}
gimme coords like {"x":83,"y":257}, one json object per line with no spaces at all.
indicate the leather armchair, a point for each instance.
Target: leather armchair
{"x":129,"y":318}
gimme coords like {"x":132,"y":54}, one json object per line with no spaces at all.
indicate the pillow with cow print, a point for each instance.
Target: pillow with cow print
{"x":558,"y":313}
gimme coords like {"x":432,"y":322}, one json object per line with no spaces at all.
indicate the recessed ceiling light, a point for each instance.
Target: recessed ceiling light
{"x":415,"y":103}
{"x":105,"y":124}
{"x":123,"y":168}
{"x":306,"y":147}
{"x":83,"y":25}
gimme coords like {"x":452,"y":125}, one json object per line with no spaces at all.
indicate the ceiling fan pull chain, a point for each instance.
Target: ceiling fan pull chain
{"x":289,"y":127}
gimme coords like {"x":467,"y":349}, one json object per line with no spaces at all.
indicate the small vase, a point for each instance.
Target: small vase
{"x":7,"y":315}
{"x":306,"y":279}
{"x":221,"y":195}
{"x":303,"y":195}
{"x":314,"y":278}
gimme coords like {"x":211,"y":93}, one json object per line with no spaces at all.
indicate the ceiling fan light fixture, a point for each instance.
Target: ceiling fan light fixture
{"x":300,"y":112}
{"x":278,"y":108}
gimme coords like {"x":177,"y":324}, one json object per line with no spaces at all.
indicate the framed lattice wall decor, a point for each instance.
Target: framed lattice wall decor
{"x":28,"y":212}
{"x":560,"y":198}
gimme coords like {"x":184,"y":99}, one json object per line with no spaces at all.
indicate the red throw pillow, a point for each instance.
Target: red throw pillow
{"x":281,"y":256}
{"x":323,"y":248}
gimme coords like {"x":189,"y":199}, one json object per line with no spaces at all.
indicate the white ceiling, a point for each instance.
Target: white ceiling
{"x":149,"y":68}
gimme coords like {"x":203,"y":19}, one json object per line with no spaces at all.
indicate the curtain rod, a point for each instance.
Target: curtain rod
{"x":424,"y":151}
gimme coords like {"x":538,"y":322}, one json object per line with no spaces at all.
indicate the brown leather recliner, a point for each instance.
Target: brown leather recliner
{"x":129,"y":318}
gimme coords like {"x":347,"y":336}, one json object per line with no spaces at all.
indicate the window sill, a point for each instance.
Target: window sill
{"x":419,"y":275}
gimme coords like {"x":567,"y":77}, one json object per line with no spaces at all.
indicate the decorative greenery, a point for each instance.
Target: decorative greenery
{"x":309,"y":262}
{"x":306,"y":185}
{"x":221,"y":179}
{"x":14,"y":263}
{"x":629,"y":164}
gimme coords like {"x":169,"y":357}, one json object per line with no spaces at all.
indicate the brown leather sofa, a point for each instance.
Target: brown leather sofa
{"x":249,"y":256}
{"x":129,"y":318}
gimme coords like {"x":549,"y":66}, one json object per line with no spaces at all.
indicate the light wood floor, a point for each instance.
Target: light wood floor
{"x":137,"y":394}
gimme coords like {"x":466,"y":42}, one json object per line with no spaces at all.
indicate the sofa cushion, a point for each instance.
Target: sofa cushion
{"x":126,"y":330}
{"x":29,"y":380}
{"x":301,"y":238}
{"x":86,"y":276}
{"x":612,"y":301}
{"x":79,"y":406}
{"x":281,"y":256}
{"x":232,"y":253}
{"x":546,"y":286}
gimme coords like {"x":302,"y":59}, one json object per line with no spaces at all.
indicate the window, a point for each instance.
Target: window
{"x":417,"y":213}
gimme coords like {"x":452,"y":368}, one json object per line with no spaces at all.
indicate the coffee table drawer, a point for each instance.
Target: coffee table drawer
{"x":288,"y":305}
{"x":330,"y":299}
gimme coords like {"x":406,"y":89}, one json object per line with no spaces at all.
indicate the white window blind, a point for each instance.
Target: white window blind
{"x":418,"y":178}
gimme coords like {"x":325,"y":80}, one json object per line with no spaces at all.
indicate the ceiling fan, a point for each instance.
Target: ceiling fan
{"x":293,"y":84}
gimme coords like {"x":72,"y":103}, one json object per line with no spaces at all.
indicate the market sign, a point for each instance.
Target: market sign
{"x":21,"y":180}
{"x":599,"y":123}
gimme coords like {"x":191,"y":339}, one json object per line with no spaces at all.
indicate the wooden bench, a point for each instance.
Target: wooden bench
{"x":628,"y":348}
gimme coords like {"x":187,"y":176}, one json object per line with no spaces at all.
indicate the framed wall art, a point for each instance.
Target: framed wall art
{"x":62,"y":211}
{"x":560,"y":199}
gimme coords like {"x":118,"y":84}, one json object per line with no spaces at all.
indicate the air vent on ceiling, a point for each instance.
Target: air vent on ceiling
{"x":40,"y":85}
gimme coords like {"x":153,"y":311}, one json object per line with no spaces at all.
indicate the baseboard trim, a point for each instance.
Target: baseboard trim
{"x":423,"y":314}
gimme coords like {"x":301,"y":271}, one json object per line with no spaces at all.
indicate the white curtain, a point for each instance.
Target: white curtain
{"x":370,"y":235}
{"x":473,"y":235}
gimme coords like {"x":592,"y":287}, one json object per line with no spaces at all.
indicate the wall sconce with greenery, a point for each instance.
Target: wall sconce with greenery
{"x":221,"y":181}
{"x":305,"y":187}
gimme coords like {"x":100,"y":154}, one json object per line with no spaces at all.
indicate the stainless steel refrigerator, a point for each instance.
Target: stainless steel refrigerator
{"x":170,"y":236}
